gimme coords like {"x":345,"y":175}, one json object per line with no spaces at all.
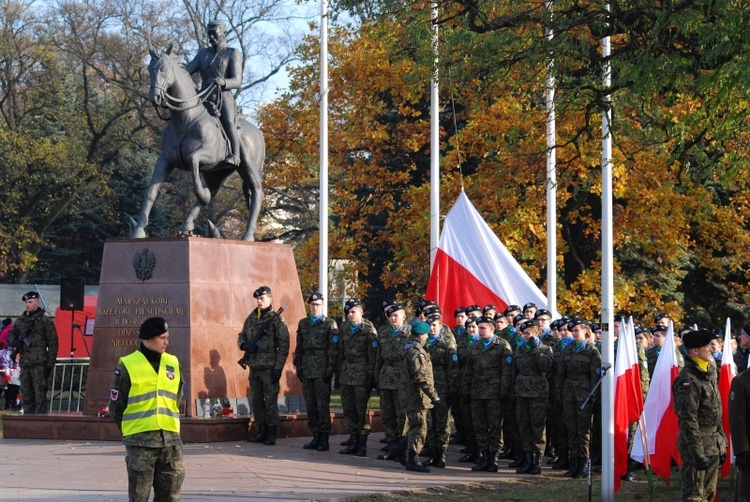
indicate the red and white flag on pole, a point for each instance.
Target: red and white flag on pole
{"x":661,"y":420}
{"x":628,"y":396}
{"x":727,"y":373}
{"x":472,"y":266}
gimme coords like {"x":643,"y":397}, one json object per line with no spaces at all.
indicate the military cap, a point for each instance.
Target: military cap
{"x":488,"y":307}
{"x":471,"y":320}
{"x":314,"y":297}
{"x":433,"y":309}
{"x":530,"y":305}
{"x":745,"y":331}
{"x":658,"y":328}
{"x":529,"y":324}
{"x":542,"y":312}
{"x":30,"y":295}
{"x":263,"y":290}
{"x":459,"y":310}
{"x":596,"y":327}
{"x":420,"y":328}
{"x":556,"y":323}
{"x":388,"y":303}
{"x":426,"y":303}
{"x":696,"y":338}
{"x":434,"y":317}
{"x":718,"y":333}
{"x":473,"y":308}
{"x":352,"y":302}
{"x":395,"y":308}
{"x":499,"y":315}
{"x":576,"y":321}
{"x":484,"y":319}
{"x":512,"y":308}
{"x":660,"y":316}
{"x":517,"y":318}
{"x":619,"y":318}
{"x":153,"y":326}
{"x":638,"y":329}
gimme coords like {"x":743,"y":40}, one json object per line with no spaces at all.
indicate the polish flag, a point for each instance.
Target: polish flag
{"x":628,"y":396}
{"x":472,"y":266}
{"x":661,"y":420}
{"x":728,"y":372}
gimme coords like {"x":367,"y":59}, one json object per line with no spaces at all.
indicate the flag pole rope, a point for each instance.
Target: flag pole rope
{"x":455,"y":130}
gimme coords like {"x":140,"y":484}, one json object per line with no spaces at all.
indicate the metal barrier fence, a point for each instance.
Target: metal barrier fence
{"x":68,"y":389}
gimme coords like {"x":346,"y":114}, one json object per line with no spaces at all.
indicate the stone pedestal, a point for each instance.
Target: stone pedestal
{"x":204,"y":289}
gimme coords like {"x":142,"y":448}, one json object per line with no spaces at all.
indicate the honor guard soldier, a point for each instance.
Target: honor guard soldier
{"x":739,"y":425}
{"x":144,"y":401}
{"x":315,"y":358}
{"x":265,"y":340}
{"x":465,"y":342}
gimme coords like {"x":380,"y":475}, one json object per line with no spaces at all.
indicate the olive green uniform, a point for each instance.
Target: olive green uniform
{"x":739,"y":425}
{"x":416,"y":392}
{"x":652,"y":355}
{"x":532,"y":362}
{"x":358,"y":350}
{"x":558,"y":432}
{"x":388,"y":378}
{"x":444,"y":358}
{"x":464,"y":345}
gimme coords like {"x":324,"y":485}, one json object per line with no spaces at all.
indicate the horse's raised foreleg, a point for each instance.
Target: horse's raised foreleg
{"x":202,"y":193}
{"x":161,"y":171}
{"x":214,"y":180}
{"x":252,"y":189}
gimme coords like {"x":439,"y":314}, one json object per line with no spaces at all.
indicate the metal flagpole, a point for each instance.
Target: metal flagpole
{"x":551,"y":178}
{"x":434,"y":145}
{"x":323,"y":234}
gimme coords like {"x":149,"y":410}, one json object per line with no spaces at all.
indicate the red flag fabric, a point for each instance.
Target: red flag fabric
{"x":472,"y":266}
{"x":727,"y":373}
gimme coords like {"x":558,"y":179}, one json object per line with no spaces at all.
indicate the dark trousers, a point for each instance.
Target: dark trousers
{"x":264,"y":390}
{"x":317,"y":395}
{"x":355,"y":400}
{"x":34,"y":390}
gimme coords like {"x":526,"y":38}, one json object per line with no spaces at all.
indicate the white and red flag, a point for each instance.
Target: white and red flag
{"x":628,"y":396}
{"x":661,"y":420}
{"x":472,"y":266}
{"x":727,"y":373}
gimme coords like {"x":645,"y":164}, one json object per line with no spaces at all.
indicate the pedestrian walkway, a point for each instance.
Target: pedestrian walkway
{"x":49,"y":470}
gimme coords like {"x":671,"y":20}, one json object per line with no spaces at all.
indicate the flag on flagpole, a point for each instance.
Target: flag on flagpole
{"x":661,"y":420}
{"x":472,"y":266}
{"x":628,"y":397}
{"x":727,"y":373}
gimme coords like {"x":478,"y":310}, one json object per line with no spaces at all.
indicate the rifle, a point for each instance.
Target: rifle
{"x":255,"y":343}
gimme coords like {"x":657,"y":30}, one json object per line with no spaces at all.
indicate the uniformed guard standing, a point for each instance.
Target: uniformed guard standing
{"x":458,"y":420}
{"x":739,"y":425}
{"x":34,"y":336}
{"x":265,"y":338}
{"x":558,"y":430}
{"x":144,"y":401}
{"x":742,"y":355}
{"x":358,"y":350}
{"x":315,"y":358}
{"x":417,"y":393}
{"x":465,"y":342}
{"x":701,"y":441}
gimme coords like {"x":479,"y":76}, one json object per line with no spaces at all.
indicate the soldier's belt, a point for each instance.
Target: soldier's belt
{"x":316,"y":352}
{"x":708,"y":428}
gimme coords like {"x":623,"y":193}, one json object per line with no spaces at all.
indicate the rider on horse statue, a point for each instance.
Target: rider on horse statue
{"x":222,"y":65}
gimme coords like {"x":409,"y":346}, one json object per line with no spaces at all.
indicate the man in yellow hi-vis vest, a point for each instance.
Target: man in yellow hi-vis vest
{"x":144,"y":401}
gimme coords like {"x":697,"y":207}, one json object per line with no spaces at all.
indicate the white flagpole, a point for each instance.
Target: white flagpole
{"x":323,"y":234}
{"x":434,"y":144}
{"x":551,"y":179}
{"x":608,"y":352}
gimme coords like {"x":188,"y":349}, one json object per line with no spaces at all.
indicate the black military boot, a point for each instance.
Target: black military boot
{"x":362,"y":446}
{"x":313,"y":445}
{"x":323,"y":446}
{"x":471,"y":456}
{"x":271,"y":437}
{"x":347,"y":441}
{"x":261,"y":436}
{"x":535,"y":468}
{"x":396,"y":451}
{"x":527,"y":459}
{"x":439,"y":459}
{"x":492,"y":464}
{"x":413,"y":463}
{"x":562,"y":462}
{"x":484,"y":461}
{"x":353,"y":444}
{"x":518,"y":459}
{"x":573,"y":468}
{"x":457,"y":439}
{"x":582,"y":467}
{"x":508,"y":453}
{"x":553,"y":455}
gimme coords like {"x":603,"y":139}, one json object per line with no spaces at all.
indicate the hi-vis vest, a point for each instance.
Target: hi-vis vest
{"x":153,"y":401}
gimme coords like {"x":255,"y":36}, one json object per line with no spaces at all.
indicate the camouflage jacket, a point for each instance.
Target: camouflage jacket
{"x":698,"y":409}
{"x":463,"y":346}
{"x":276,"y":336}
{"x":557,"y":353}
{"x":739,"y":412}
{"x":415,"y":374}
{"x":41,"y":335}
{"x":390,"y":353}
{"x":652,"y":355}
{"x":358,"y":351}
{"x":578,"y":372}
{"x":532,"y":366}
{"x":489,"y":370}
{"x":741,"y":359}
{"x":316,"y":352}
{"x":444,"y":358}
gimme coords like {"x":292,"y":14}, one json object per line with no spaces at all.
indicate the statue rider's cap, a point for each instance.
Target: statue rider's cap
{"x":216,"y":25}
{"x":30,"y":295}
{"x":263,"y":290}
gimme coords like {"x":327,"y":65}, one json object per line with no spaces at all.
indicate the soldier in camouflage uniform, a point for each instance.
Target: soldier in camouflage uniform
{"x":511,"y":430}
{"x":391,"y":339}
{"x":579,"y":370}
{"x":458,"y":421}
{"x":417,"y":392}
{"x":34,"y":336}
{"x":266,"y":338}
{"x":658,"y":334}
{"x":465,"y":341}
{"x":444,"y":358}
{"x":742,"y":354}
{"x":358,"y":350}
{"x":489,"y":376}
{"x":557,"y":429}
{"x":701,"y":441}
{"x":315,"y":358}
{"x":533,"y":360}
{"x":739,"y":425}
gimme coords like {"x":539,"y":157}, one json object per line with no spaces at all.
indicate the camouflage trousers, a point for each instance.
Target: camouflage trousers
{"x":162,"y":468}
{"x":531,"y":413}
{"x":34,"y":390}
{"x":511,"y":436}
{"x":264,"y":391}
{"x":355,"y":400}
{"x":578,"y":423}
{"x":458,"y":416}
{"x":416,"y":430}
{"x":557,"y":432}
{"x":439,"y":431}
{"x":486,"y":415}
{"x":317,"y":395}
{"x":465,"y":408}
{"x":698,"y":486}
{"x":390,"y":414}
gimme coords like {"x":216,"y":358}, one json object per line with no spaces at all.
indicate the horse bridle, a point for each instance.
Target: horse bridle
{"x":201,"y":97}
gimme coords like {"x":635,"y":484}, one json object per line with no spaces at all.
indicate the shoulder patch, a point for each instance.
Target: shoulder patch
{"x":421,"y":356}
{"x":335,"y":338}
{"x":598,"y":371}
{"x":455,"y":358}
{"x":509,"y":359}
{"x":374,"y":344}
{"x":686,"y":383}
{"x":117,"y":371}
{"x":114,"y":394}
{"x":731,"y":396}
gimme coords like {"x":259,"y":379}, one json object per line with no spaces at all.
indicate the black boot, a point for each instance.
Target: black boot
{"x":261,"y":436}
{"x":413,"y":463}
{"x":573,"y":468}
{"x":439,"y":459}
{"x":518,"y":459}
{"x":582,"y":466}
{"x":353,"y":444}
{"x":362,"y":446}
{"x":396,"y":451}
{"x":313,"y":445}
{"x":484,"y":461}
{"x":348,"y":441}
{"x":508,"y":453}
{"x":323,"y":446}
{"x":562,"y":462}
{"x":471,"y":456}
{"x":271,"y":437}
{"x":527,"y":459}
{"x":457,"y":439}
{"x":535,"y":468}
{"x":492,"y":464}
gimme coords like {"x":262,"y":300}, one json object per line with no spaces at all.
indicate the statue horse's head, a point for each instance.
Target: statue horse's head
{"x":162,"y":72}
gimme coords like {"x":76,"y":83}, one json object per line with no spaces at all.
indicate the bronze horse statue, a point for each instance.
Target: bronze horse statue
{"x":194,"y":141}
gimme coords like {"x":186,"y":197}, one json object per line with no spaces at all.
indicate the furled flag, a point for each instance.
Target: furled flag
{"x":628,"y":396}
{"x":472,"y":266}
{"x":727,"y":373}
{"x":661,"y":420}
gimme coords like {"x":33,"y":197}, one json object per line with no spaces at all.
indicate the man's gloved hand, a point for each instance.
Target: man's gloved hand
{"x":328,"y":376}
{"x":701,"y":463}
{"x":300,"y":373}
{"x":220,"y":82}
{"x":722,"y":457}
{"x":742,"y":460}
{"x":276,"y":374}
{"x":435,"y":399}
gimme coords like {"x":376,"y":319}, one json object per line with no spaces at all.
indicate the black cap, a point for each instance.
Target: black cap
{"x":529,"y":324}
{"x":388,"y":303}
{"x":530,"y":305}
{"x":658,"y":328}
{"x":518,"y":317}
{"x":512,"y":308}
{"x":263,"y":290}
{"x":556,"y":323}
{"x":433,"y":309}
{"x":434,"y":317}
{"x":484,"y":319}
{"x":489,"y":307}
{"x":499,"y":315}
{"x":153,"y":326}
{"x":473,"y":308}
{"x":619,"y":318}
{"x":30,"y":295}
{"x":459,"y":310}
{"x":745,"y":330}
{"x":352,"y":302}
{"x":471,"y":320}
{"x":542,"y":312}
{"x":660,"y":316}
{"x":576,"y":321}
{"x":314,"y":297}
{"x":395,"y":308}
{"x":696,"y":338}
{"x":596,"y":327}
{"x":426,"y":303}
